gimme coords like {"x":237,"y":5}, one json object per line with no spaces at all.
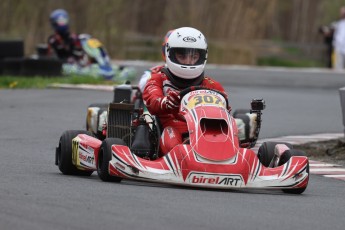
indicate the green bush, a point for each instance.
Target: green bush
{"x":16,"y":82}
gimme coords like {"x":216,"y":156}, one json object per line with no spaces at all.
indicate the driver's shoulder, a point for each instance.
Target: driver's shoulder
{"x":158,"y":76}
{"x":210,"y":81}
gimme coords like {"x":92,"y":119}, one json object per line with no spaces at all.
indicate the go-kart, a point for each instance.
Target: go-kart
{"x":211,"y":156}
{"x":96,"y":62}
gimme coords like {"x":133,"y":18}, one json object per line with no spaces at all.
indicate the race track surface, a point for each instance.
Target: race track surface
{"x":35,"y":195}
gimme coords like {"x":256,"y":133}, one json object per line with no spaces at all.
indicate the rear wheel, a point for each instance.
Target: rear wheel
{"x":287,"y":155}
{"x":104,"y":157}
{"x":266,"y":151}
{"x":64,"y":153}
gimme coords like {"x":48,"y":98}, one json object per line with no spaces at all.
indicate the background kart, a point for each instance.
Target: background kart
{"x":212,"y":156}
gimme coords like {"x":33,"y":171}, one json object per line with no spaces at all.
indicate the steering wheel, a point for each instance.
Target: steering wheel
{"x":193,"y":88}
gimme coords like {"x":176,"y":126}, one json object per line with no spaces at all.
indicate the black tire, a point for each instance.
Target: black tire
{"x":104,"y":157}
{"x":64,"y":153}
{"x":266,"y":151}
{"x":289,"y":154}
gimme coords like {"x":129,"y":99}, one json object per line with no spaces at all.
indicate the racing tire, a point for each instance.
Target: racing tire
{"x":104,"y":157}
{"x":64,"y":154}
{"x":266,"y":152}
{"x":287,"y":155}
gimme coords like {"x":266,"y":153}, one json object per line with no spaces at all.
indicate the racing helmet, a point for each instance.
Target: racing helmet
{"x":59,"y":20}
{"x":165,"y":40}
{"x":186,"y":41}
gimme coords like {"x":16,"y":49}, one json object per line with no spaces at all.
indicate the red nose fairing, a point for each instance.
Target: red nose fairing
{"x":213,"y":158}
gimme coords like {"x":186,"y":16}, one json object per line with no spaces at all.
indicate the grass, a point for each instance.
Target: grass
{"x":39,"y":82}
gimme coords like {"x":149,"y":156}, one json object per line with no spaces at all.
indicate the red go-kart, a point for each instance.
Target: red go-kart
{"x":211,"y":156}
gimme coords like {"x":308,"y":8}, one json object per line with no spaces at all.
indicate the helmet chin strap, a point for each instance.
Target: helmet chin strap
{"x":180,"y":82}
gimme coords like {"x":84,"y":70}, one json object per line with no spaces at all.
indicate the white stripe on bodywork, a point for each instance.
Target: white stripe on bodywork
{"x":293,"y":169}
{"x":178,"y":165}
{"x":186,"y":150}
{"x":128,"y":159}
{"x":256,"y":169}
{"x":167,"y":163}
{"x":171,"y":162}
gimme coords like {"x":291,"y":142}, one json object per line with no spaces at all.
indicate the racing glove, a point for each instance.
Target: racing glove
{"x":171,"y":102}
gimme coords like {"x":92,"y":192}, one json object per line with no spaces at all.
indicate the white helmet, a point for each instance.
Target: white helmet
{"x":186,"y":40}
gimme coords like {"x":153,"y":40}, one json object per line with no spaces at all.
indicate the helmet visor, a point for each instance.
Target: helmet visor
{"x":187,"y":56}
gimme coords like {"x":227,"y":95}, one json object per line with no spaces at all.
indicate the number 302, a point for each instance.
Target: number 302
{"x":206,"y":99}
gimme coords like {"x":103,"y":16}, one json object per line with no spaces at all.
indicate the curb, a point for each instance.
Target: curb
{"x":327,"y":170}
{"x":82,"y":86}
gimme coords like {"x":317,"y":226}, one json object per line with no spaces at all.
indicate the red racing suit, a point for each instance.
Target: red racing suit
{"x":157,"y":87}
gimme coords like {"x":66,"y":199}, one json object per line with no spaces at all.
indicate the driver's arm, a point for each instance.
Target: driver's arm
{"x":155,"y":100}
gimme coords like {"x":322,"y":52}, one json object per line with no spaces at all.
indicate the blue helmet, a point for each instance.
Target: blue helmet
{"x":59,"y":21}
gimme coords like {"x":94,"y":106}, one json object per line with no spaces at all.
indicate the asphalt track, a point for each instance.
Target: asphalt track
{"x":35,"y":195}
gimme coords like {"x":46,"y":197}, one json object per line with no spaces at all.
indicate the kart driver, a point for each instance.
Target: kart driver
{"x":66,"y":45}
{"x":186,"y":56}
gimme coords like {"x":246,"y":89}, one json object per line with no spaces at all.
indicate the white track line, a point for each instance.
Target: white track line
{"x":327,"y":170}
{"x":317,"y":165}
{"x":335,"y":176}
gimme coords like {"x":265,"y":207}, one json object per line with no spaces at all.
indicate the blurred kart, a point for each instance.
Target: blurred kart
{"x":96,"y":62}
{"x":212,"y":156}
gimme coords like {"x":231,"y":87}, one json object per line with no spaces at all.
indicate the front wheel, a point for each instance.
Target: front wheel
{"x":287,"y":155}
{"x":266,"y":151}
{"x":64,"y":153}
{"x":104,"y":157}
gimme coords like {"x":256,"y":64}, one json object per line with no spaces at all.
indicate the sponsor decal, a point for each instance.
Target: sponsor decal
{"x":189,"y":39}
{"x":86,"y":158}
{"x":90,"y":149}
{"x":216,"y":179}
{"x":171,"y":133}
